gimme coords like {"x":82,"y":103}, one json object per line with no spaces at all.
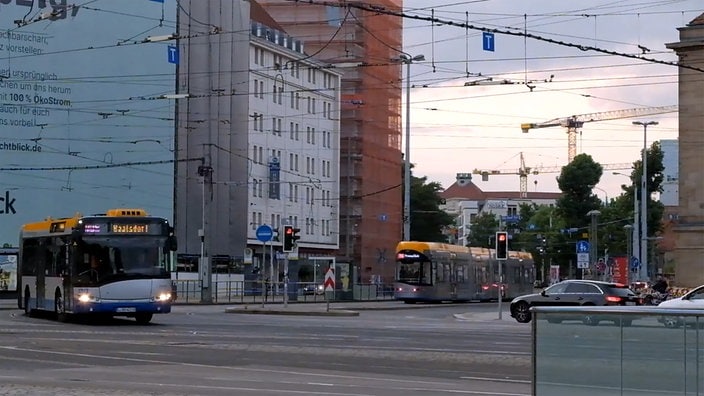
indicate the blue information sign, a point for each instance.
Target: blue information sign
{"x":264,"y":233}
{"x":582,"y":247}
{"x":172,"y":54}
{"x":635,"y":264}
{"x":488,"y":41}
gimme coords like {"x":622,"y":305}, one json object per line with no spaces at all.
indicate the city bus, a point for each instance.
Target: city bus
{"x":437,"y":272}
{"x":111,"y":264}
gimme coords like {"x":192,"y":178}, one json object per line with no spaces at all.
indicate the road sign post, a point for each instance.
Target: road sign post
{"x":582,"y":249}
{"x":264,"y":233}
{"x":329,"y":285}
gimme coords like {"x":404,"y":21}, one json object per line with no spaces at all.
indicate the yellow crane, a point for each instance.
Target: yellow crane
{"x":572,"y":123}
{"x":524,"y":171}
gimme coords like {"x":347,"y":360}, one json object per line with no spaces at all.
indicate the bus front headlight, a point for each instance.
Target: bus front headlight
{"x":85,"y":297}
{"x":163,"y":297}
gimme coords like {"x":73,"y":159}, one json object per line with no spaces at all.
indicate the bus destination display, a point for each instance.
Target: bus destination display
{"x":125,"y":228}
{"x":119,"y":228}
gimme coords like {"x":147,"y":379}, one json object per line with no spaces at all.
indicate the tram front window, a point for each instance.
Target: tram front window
{"x":416,"y":273}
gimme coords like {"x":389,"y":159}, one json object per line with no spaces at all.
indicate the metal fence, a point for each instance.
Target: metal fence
{"x":237,"y":291}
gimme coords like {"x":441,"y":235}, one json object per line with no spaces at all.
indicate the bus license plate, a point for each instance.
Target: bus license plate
{"x":126,"y":309}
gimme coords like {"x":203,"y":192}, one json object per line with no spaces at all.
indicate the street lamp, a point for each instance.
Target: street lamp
{"x":606,"y":195}
{"x":593,"y":251}
{"x":407,"y":59}
{"x":635,"y":238}
{"x":644,"y":201}
{"x":629,"y":242}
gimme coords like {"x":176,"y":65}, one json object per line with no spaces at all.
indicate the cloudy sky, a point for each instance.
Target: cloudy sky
{"x":457,"y":128}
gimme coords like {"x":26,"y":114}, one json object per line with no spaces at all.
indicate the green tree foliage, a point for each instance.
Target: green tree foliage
{"x":576,"y":182}
{"x":483,"y":230}
{"x":427,"y":219}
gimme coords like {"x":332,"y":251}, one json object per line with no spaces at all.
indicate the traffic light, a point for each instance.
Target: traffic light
{"x":290,"y":237}
{"x":501,"y":245}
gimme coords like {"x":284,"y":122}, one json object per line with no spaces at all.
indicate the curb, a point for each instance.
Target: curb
{"x":257,"y":311}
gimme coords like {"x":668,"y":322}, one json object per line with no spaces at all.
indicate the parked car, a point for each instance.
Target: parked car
{"x":575,"y":292}
{"x":694,"y":299}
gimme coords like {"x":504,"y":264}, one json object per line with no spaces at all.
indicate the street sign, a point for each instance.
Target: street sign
{"x":582,"y":260}
{"x":635,"y":264}
{"x":582,"y":247}
{"x":329,"y":283}
{"x":172,"y":54}
{"x":264,"y":233}
{"x":488,"y":41}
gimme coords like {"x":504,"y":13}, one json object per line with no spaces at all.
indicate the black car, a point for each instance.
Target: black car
{"x":575,"y":292}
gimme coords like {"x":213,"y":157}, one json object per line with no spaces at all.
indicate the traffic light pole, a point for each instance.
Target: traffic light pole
{"x":286,"y":281}
{"x":501,"y":252}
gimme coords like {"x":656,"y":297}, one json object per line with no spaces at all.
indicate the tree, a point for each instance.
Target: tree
{"x":576,"y":182}
{"x":427,"y":219}
{"x":483,"y":230}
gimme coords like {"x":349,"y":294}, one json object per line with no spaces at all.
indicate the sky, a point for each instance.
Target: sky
{"x":459,"y":129}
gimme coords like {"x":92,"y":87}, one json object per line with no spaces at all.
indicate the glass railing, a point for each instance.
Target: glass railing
{"x":617,"y":351}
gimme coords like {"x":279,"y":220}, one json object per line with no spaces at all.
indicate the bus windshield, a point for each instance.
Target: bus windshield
{"x":415,"y":273}
{"x":105,"y":258}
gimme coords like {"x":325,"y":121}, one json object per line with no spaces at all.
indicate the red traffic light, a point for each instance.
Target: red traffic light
{"x":502,"y":237}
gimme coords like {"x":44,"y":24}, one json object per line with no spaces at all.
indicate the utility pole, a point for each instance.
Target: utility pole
{"x":593,"y":249}
{"x":206,"y":274}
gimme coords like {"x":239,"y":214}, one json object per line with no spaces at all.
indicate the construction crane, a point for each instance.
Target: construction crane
{"x":524,"y":171}
{"x":575,"y":122}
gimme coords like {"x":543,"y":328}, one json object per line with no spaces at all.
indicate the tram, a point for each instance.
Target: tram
{"x":437,"y":272}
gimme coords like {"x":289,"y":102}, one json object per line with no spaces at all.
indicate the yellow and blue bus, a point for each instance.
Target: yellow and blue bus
{"x":436,"y":272}
{"x":111,"y":264}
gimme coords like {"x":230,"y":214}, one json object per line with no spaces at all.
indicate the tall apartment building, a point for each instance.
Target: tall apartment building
{"x":689,"y":227}
{"x":257,"y":138}
{"x":361,"y":44}
{"x":294,"y":140}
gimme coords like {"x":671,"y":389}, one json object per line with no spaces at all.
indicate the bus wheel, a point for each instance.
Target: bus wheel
{"x":27,"y":309}
{"x":59,"y":307}
{"x":143,"y":317}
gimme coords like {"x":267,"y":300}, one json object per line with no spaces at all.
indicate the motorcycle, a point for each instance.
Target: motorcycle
{"x":655,"y":298}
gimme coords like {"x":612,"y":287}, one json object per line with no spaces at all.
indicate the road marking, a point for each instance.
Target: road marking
{"x":513,"y":381}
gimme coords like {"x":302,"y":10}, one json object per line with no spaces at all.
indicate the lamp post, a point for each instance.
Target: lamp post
{"x":407,"y":59}
{"x":635,"y":240}
{"x":593,"y":251}
{"x":644,"y":201}
{"x":629,"y":241}
{"x":606,"y":195}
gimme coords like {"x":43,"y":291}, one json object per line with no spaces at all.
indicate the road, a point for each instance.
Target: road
{"x":200,"y":350}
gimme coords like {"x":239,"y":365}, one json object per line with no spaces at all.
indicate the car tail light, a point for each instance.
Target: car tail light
{"x":485,"y":287}
{"x":613,"y":299}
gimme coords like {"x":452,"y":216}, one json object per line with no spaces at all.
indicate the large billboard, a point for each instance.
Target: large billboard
{"x":86,"y":108}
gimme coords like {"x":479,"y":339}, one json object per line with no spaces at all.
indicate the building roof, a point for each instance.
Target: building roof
{"x":697,"y":21}
{"x":257,"y":13}
{"x":469,"y":191}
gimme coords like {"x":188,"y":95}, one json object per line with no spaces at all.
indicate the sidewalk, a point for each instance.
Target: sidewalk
{"x":8,"y":303}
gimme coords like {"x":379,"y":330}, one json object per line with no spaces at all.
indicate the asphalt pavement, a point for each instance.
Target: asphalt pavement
{"x":336,"y":308}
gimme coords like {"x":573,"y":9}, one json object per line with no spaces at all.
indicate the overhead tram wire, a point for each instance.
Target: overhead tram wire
{"x":581,"y":47}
